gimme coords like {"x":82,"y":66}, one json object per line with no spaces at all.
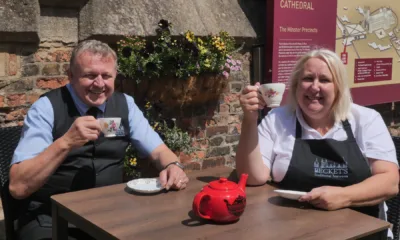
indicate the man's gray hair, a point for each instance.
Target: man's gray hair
{"x":94,"y":47}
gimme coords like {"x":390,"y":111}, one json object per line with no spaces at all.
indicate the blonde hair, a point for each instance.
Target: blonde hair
{"x":342,"y":103}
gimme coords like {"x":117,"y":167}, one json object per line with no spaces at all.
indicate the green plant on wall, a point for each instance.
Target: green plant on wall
{"x":174,"y":137}
{"x":181,"y":56}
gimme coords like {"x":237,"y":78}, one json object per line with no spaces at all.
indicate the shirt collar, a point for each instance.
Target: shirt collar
{"x":304,"y":124}
{"x":80,"y":105}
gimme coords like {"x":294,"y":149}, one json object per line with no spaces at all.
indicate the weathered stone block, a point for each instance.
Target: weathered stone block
{"x":51,"y":69}
{"x":200,"y":144}
{"x":31,"y":98}
{"x":192,"y":166}
{"x":65,"y":68}
{"x":216,"y":141}
{"x":16,"y":100}
{"x":51,"y":83}
{"x":198,"y":155}
{"x":236,"y":87}
{"x":58,"y":24}
{"x":184,"y":158}
{"x":28,"y":59}
{"x":236,"y":108}
{"x":235,"y":128}
{"x":100,"y":17}
{"x":19,"y":21}
{"x":213,"y":162}
{"x":219,"y":151}
{"x":234,"y":148}
{"x":30,"y":70}
{"x":232,"y":138}
{"x":212,"y":131}
{"x":17,"y":114}
{"x":223,"y":108}
{"x":12,"y":65}
{"x":3,"y":64}
{"x":19,"y":86}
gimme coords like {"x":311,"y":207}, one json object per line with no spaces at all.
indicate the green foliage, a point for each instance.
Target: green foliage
{"x":183,"y":56}
{"x":174,"y":137}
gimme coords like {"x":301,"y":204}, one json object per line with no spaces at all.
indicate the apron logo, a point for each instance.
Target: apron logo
{"x":330,"y":169}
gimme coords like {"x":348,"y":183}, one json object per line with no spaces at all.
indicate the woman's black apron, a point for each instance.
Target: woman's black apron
{"x":327,"y":162}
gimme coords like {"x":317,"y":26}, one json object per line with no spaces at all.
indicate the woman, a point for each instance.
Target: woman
{"x":322,"y":143}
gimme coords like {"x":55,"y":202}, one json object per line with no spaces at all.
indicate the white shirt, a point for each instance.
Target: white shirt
{"x":277,"y":134}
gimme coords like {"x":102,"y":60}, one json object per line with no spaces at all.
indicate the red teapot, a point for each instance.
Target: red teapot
{"x":221,"y":200}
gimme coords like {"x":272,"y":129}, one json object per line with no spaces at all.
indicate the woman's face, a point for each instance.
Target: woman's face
{"x":316,"y":90}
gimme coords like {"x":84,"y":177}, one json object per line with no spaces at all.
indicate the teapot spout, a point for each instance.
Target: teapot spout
{"x":242,"y":181}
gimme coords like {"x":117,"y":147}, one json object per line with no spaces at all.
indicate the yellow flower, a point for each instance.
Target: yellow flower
{"x":189,"y":36}
{"x":207,"y":63}
{"x":203,"y":50}
{"x":148,"y":105}
{"x":133,"y":161}
{"x":199,"y":41}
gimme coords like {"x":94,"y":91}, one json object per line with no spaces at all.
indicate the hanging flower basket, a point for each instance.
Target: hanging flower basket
{"x":177,"y":70}
{"x":174,"y":92}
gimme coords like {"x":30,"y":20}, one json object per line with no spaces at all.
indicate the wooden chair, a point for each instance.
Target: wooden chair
{"x":394,"y":203}
{"x":9,"y":138}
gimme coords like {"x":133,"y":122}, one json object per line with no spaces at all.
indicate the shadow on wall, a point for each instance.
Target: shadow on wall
{"x":256,"y":12}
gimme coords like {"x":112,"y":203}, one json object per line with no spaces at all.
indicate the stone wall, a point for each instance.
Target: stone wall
{"x":35,"y":50}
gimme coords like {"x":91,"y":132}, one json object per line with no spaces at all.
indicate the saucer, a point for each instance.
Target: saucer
{"x":145,"y":185}
{"x":289,"y":194}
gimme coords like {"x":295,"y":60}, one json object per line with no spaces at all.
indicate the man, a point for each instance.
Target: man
{"x":62,"y":148}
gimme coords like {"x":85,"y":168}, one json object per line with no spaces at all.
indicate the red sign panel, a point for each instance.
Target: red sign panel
{"x":371,"y":70}
{"x":364,"y":33}
{"x":300,"y":26}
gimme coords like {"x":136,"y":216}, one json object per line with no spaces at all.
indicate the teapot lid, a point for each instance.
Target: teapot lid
{"x":223,"y":184}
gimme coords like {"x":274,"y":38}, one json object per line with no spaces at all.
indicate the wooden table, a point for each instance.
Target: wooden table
{"x":114,"y":212}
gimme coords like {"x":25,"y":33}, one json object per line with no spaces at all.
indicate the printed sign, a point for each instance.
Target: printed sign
{"x":364,"y":33}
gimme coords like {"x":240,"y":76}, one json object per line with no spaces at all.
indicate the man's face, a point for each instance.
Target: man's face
{"x":93,"y":77}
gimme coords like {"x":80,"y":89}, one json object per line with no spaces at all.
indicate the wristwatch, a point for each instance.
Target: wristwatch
{"x":177,"y":164}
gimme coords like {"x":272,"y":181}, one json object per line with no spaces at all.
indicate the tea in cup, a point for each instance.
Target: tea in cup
{"x":272,"y":93}
{"x":109,"y":126}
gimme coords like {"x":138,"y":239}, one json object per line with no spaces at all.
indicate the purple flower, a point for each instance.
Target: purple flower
{"x":226,"y":74}
{"x":238,"y":62}
{"x":228,"y":60}
{"x":233,"y":62}
{"x":227,"y":65}
{"x":229,"y":56}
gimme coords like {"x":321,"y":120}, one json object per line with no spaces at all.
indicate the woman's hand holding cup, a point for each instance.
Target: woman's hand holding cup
{"x":251,"y":101}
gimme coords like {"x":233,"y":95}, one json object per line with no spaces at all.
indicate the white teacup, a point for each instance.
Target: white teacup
{"x":272,"y":93}
{"x":109,"y":126}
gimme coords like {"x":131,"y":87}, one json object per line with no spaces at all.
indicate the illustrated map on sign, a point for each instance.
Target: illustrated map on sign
{"x":368,"y":40}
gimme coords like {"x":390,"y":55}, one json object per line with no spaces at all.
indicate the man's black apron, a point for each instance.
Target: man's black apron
{"x":327,"y":162}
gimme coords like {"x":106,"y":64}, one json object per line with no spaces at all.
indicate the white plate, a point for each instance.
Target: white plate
{"x":145,"y":185}
{"x":294,"y":195}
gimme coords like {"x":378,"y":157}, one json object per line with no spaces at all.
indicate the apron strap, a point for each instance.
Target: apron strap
{"x":298,"y":129}
{"x":347,"y":128}
{"x":345,"y":123}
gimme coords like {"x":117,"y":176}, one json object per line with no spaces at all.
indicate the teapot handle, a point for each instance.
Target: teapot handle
{"x":196,"y":204}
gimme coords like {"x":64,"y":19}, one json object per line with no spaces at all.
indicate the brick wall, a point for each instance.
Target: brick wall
{"x":25,"y":74}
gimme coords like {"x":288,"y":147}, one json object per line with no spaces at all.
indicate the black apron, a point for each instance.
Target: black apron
{"x":327,"y":162}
